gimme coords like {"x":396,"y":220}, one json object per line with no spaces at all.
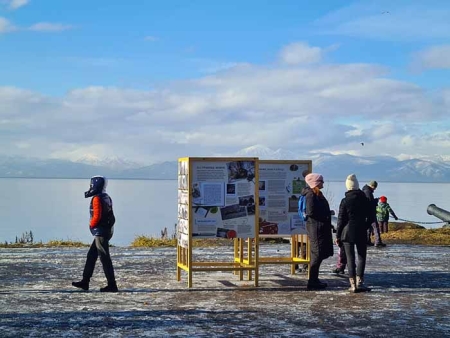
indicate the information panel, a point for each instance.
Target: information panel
{"x":223,"y":199}
{"x":280,"y":185}
{"x":183,"y":203}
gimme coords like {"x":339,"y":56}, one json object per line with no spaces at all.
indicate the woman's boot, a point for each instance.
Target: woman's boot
{"x":352,"y":285}
{"x":360,"y":286}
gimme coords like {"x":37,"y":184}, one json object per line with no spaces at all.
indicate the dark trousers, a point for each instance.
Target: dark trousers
{"x":353,"y":268}
{"x":99,"y":247}
{"x":375,"y":230}
{"x":369,"y":234}
{"x":314,"y":267}
{"x":342,"y":258}
{"x":384,"y":226}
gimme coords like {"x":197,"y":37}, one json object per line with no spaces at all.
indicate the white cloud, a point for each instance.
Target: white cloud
{"x":300,"y":53}
{"x":388,"y":20}
{"x":211,"y":66}
{"x":313,"y":107}
{"x":6,"y":26}
{"x":15,"y":4}
{"x":434,"y":57}
{"x":49,"y":27}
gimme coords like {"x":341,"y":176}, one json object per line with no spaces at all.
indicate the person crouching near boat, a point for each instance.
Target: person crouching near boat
{"x":352,"y":225}
{"x":318,"y":227}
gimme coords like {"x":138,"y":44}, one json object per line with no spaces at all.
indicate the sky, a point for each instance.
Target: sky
{"x":151,"y":81}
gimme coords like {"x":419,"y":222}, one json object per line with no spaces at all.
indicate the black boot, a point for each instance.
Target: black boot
{"x":316,"y":285}
{"x":82,"y":284}
{"x":110,"y":288}
{"x":322,"y":283}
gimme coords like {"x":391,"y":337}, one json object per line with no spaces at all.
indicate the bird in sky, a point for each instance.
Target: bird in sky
{"x":385,"y":12}
{"x":362,"y":143}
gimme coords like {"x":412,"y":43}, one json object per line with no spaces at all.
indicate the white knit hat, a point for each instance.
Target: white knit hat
{"x":352,"y":182}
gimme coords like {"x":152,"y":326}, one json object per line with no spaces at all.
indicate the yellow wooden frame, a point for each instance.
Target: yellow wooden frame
{"x":241,"y":263}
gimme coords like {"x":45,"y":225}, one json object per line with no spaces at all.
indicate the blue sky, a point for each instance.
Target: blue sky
{"x":117,"y":44}
{"x":190,"y":78}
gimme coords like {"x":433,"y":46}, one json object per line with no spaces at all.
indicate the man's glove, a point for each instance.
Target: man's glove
{"x":396,"y":218}
{"x":333,"y":229}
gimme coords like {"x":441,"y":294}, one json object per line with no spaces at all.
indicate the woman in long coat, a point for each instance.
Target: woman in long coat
{"x":318,"y":227}
{"x":353,"y":221}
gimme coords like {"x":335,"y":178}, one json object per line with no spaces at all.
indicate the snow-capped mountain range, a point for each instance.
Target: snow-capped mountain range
{"x":381,"y":168}
{"x":114,"y":162}
{"x":333,"y":167}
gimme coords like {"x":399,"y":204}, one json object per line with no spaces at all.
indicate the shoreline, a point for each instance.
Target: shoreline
{"x":400,"y":233}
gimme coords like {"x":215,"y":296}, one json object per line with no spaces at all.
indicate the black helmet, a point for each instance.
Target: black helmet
{"x":98,"y":185}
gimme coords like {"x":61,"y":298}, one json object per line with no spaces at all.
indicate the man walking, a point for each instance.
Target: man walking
{"x":102,"y":227}
{"x":368,"y":190}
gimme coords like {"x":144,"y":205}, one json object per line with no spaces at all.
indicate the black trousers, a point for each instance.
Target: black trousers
{"x":314,"y":266}
{"x":99,"y":247}
{"x":353,"y":268}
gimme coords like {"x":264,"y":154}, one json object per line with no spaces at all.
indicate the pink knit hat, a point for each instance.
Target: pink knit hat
{"x":313,"y":180}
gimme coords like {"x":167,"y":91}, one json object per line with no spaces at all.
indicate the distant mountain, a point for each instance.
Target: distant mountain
{"x":158,"y":171}
{"x":333,"y":167}
{"x":114,"y":162}
{"x":381,"y":168}
{"x":266,"y":153}
{"x":52,"y":168}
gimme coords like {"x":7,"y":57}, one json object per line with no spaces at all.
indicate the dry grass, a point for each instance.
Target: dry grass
{"x":68,"y":243}
{"x":399,"y":233}
{"x":51,"y":244}
{"x":150,"y":242}
{"x":410,"y":233}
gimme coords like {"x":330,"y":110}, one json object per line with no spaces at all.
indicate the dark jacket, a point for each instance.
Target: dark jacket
{"x":318,"y":224}
{"x":102,"y":216}
{"x":383,"y":211}
{"x":352,"y":221}
{"x":368,"y":191}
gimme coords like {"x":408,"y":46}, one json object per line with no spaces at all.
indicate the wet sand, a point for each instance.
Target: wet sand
{"x":410,"y":296}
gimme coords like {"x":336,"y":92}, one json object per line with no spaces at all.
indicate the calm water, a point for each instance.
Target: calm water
{"x":57,"y":209}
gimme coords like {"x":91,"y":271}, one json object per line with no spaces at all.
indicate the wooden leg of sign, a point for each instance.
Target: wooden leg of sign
{"x":294,"y":248}
{"x":241,"y":257}
{"x":250,"y":254}
{"x":178,"y":260}
{"x":256,"y":261}
{"x":189,"y":279}
{"x":189,"y":261}
{"x":236,"y":253}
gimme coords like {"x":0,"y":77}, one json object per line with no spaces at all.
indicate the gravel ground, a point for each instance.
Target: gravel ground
{"x":410,"y":296}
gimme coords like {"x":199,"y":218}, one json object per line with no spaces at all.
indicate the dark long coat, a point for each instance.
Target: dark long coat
{"x":354,"y":217}
{"x":318,"y":224}
{"x":368,"y":191}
